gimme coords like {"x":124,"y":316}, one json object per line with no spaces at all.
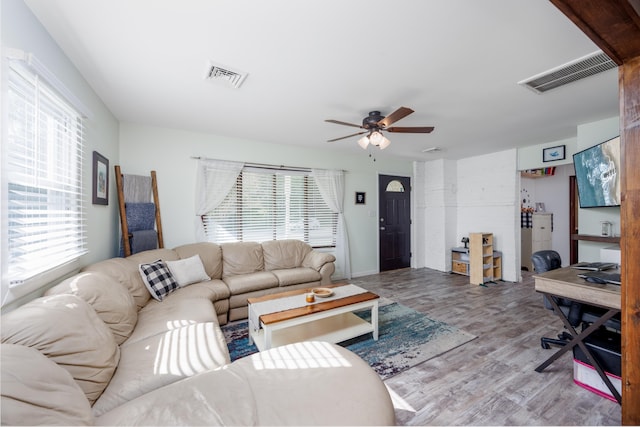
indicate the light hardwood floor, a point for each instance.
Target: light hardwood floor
{"x":490,"y":380}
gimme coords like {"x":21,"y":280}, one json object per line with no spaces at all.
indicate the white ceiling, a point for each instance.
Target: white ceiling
{"x":455,"y":62}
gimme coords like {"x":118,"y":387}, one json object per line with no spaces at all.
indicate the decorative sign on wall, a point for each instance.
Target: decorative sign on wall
{"x":553,"y":153}
{"x":100,"y":179}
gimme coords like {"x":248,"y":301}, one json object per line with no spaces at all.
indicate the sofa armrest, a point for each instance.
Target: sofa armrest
{"x":316,"y":259}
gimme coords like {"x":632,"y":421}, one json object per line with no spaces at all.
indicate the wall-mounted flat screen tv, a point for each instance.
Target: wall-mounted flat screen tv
{"x":598,"y":174}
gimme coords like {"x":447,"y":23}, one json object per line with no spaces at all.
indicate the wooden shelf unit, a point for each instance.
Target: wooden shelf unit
{"x":497,"y":265}
{"x":460,"y":261}
{"x":485,"y":264}
{"x":489,"y":261}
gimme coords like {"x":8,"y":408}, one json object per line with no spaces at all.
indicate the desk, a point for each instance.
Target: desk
{"x":565,"y":283}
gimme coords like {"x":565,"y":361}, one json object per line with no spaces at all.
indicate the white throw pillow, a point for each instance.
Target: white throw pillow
{"x":187,"y":271}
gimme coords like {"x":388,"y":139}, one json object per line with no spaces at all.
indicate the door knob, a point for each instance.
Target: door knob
{"x":382,"y":228}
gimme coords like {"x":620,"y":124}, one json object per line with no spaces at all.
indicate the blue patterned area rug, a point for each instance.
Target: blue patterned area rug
{"x":405,"y":339}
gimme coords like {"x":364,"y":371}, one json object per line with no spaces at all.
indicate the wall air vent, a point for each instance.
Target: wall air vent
{"x":580,"y":68}
{"x":223,"y":74}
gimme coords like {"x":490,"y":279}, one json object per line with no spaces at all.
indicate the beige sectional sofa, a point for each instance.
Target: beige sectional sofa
{"x":237,"y":270}
{"x":98,"y":349}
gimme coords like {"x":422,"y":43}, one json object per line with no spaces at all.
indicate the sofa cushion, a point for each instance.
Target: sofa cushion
{"x":158,"y":279}
{"x":244,"y":283}
{"x":277,"y":387}
{"x":36,"y":391}
{"x":67,"y":330}
{"x":157,"y":317}
{"x":212,"y":290}
{"x":151,"y":255}
{"x":317,"y":260}
{"x":295,"y":276}
{"x":127,"y":274}
{"x":163,"y":359}
{"x":111,"y":300}
{"x":241,"y":258}
{"x":188,"y":270}
{"x":279,"y":254}
{"x":210,"y":254}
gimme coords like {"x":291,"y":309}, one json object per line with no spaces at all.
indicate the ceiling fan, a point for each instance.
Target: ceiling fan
{"x":375,"y":123}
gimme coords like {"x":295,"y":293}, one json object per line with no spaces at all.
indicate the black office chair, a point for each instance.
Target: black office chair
{"x":548,"y":260}
{"x":577,"y":313}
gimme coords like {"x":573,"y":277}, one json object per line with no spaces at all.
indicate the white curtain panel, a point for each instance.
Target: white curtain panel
{"x":214,"y":180}
{"x":331,"y":186}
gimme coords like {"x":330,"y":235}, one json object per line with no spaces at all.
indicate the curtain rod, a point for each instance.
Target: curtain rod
{"x":266,"y":166}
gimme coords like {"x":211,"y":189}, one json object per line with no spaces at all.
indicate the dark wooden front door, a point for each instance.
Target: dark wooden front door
{"x":573,"y":219}
{"x":394,"y":222}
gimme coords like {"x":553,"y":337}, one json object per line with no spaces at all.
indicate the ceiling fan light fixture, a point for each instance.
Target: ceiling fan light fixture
{"x":363,"y":142}
{"x":376,"y":138}
{"x":384,"y":143}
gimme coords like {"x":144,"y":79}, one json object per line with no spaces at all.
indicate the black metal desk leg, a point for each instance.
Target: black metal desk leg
{"x":578,"y":339}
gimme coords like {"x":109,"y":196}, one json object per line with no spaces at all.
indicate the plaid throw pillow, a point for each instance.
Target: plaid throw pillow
{"x":158,"y":279}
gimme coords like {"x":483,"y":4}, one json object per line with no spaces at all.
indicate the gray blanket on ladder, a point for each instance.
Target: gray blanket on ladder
{"x":140,"y":213}
{"x":143,"y":240}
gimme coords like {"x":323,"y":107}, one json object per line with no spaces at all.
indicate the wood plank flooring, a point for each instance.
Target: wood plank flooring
{"x":490,"y":380}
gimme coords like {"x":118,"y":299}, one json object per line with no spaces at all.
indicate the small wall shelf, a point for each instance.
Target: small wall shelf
{"x":538,"y":173}
{"x":595,"y":238}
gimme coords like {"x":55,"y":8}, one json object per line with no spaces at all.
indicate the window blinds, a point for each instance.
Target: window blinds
{"x":43,"y":178}
{"x":269,"y":205}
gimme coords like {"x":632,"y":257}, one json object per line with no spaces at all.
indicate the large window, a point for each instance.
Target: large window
{"x":270,"y":205}
{"x":42,"y":178}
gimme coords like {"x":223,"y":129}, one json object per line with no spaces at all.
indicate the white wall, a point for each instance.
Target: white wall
{"x":22,"y":31}
{"x":553,"y":191}
{"x":476,"y":194}
{"x":169,"y":152}
{"x":435,"y":212}
{"x":531,"y":157}
{"x":489,"y":201}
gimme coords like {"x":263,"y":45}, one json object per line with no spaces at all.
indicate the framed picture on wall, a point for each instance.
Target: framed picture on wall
{"x":553,"y":153}
{"x":100,"y":179}
{"x":360,"y":198}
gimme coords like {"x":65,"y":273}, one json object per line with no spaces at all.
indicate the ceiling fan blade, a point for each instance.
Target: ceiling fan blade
{"x":423,"y":129}
{"x":400,"y":113}
{"x":344,"y":137}
{"x":338,"y":122}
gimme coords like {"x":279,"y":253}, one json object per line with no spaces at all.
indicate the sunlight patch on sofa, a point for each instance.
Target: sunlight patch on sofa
{"x":187,"y":351}
{"x":177,"y":324}
{"x":74,"y":283}
{"x":305,"y":355}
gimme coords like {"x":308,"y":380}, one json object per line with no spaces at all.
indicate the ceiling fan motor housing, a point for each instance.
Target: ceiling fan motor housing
{"x":371,"y":122}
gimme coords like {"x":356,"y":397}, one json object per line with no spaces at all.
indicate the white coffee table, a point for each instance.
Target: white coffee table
{"x":286,"y":317}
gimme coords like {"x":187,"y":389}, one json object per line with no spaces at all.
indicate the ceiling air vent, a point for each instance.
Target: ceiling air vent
{"x":432,"y":150}
{"x":580,"y":68}
{"x":223,"y":74}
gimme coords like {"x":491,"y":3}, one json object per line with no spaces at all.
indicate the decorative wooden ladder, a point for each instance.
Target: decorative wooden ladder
{"x":126,"y":235}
